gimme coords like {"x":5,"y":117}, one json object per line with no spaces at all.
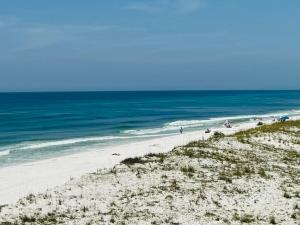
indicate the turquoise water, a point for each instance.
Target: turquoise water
{"x":37,"y":126}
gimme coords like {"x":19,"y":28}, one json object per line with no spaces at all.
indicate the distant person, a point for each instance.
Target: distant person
{"x":207,"y":131}
{"x":181,"y":130}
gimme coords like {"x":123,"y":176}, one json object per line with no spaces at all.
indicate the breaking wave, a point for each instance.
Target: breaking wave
{"x":4,"y":153}
{"x":167,"y":129}
{"x":214,"y":121}
{"x":67,"y":142}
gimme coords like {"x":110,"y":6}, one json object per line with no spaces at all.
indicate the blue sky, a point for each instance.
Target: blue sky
{"x":149,"y":45}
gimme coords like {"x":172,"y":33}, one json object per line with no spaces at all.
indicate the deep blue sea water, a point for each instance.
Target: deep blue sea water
{"x":36,"y":126}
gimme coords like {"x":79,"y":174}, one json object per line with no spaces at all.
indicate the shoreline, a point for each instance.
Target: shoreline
{"x":20,"y":180}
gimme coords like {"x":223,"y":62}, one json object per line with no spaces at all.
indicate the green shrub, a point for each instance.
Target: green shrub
{"x":187,"y":169}
{"x":218,"y":135}
{"x":131,"y":161}
{"x":272,"y":220}
{"x":27,"y":219}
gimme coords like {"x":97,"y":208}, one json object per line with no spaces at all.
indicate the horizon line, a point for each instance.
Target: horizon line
{"x":149,"y":90}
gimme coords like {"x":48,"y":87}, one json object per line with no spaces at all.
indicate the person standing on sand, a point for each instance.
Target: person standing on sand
{"x":181,"y":130}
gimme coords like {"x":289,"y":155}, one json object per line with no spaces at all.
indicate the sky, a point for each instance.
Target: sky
{"x":100,"y":45}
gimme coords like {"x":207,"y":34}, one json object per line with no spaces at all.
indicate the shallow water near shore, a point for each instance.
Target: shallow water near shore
{"x":36,"y":126}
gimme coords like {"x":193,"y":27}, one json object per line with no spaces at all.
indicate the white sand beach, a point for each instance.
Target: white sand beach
{"x":18,"y":181}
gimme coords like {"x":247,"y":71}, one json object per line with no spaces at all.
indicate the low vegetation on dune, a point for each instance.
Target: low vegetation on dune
{"x":251,"y":177}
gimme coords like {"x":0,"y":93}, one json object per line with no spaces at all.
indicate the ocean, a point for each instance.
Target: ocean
{"x":35,"y":126}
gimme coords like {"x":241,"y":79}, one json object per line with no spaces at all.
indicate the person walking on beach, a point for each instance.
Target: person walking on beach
{"x":181,"y":130}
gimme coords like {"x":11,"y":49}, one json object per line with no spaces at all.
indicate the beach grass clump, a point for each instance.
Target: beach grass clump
{"x":262,"y":173}
{"x":296,"y":215}
{"x":161,"y":156}
{"x":50,"y":218}
{"x":243,"y":170}
{"x":268,"y":128}
{"x":132,"y":161}
{"x":167,"y":167}
{"x":287,"y":195}
{"x":246,"y":218}
{"x":245,"y":135}
{"x":198,"y":144}
{"x":189,"y":152}
{"x":240,"y":170}
{"x":296,"y":141}
{"x":242,"y":136}
{"x":174,"y":185}
{"x":292,"y":155}
{"x":27,"y":219}
{"x":217,"y":135}
{"x":225,"y":177}
{"x":222,"y":156}
{"x":30,"y":198}
{"x":279,"y":126}
{"x":211,"y":153}
{"x":192,"y":152}
{"x":2,"y":206}
{"x":188,"y":170}
{"x":273,"y":220}
{"x":209,"y":214}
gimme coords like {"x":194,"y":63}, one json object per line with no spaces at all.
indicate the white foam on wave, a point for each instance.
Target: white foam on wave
{"x":4,"y":153}
{"x":150,"y":131}
{"x":66,"y":142}
{"x":46,"y":144}
{"x":184,"y":123}
{"x":167,"y":129}
{"x":175,"y":125}
{"x":217,"y":119}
